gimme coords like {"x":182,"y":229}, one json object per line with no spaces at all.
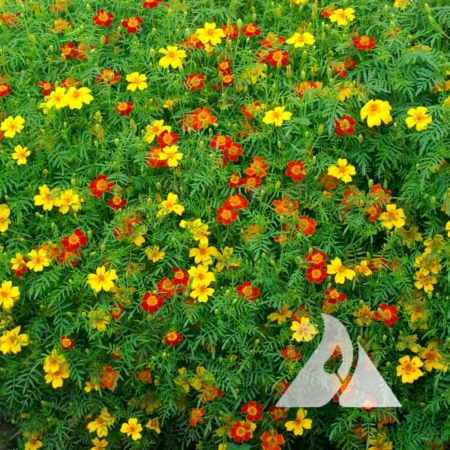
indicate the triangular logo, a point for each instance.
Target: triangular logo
{"x":314,"y":387}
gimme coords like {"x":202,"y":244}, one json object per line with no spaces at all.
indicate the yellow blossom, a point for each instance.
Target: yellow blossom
{"x":277,"y":116}
{"x":153,"y":424}
{"x":137,"y":81}
{"x":337,"y":268}
{"x":209,"y":34}
{"x":300,"y":423}
{"x":419,"y":118}
{"x":202,"y":293}
{"x":170,"y":205}
{"x":9,"y":294}
{"x":304,"y":331}
{"x":376,"y":111}
{"x":343,"y":16}
{"x":12,"y":125}
{"x":132,"y":429}
{"x":201,"y":276}
{"x":77,"y":97}
{"x":38,"y":260}
{"x":172,"y":57}
{"x":98,"y":319}
{"x":171,"y":154}
{"x":20,"y":154}
{"x":4,"y":217}
{"x":300,"y":40}
{"x":409,"y":369}
{"x":203,"y":254}
{"x":102,"y":279}
{"x":56,"y":378}
{"x":57,"y":99}
{"x":281,"y":315}
{"x":99,"y":444}
{"x":46,"y":198}
{"x":12,"y":341}
{"x":393,"y":217}
{"x":154,"y":254}
{"x":154,"y":130}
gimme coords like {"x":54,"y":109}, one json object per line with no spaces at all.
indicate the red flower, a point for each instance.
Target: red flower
{"x":332,"y":296}
{"x":181,"y":277}
{"x":4,"y":89}
{"x":69,"y":257}
{"x":272,"y":41}
{"x":258,"y":167}
{"x":364,"y":43}
{"x":153,"y":158}
{"x":117,"y":202}
{"x":291,"y":354}
{"x":116,"y":311}
{"x":235,"y":181}
{"x":316,"y":274}
{"x":388,"y":314}
{"x":220,"y":142}
{"x":231,"y":32}
{"x":167,"y":138}
{"x":172,"y":338}
{"x":278,"y":58}
{"x":68,"y":50}
{"x":227,"y":79}
{"x":296,"y":170}
{"x":236,"y":202}
{"x":278,"y":414}
{"x":271,"y":440}
{"x":103,"y":18}
{"x":249,"y":110}
{"x":194,"y":82}
{"x":241,"y":431}
{"x":224,"y":66}
{"x":345,"y":125}
{"x":226,"y":215}
{"x":100,"y":185}
{"x":251,"y":30}
{"x":151,"y":4}
{"x":132,"y":24}
{"x":165,"y":287}
{"x":108,"y":76}
{"x":125,"y":108}
{"x":327,"y":11}
{"x":152,"y":302}
{"x":306,"y":226}
{"x":253,"y":411}
{"x":109,"y":378}
{"x":247,"y":291}
{"x":67,"y":343}
{"x":373,"y":212}
{"x":317,"y":258}
{"x":46,"y":87}
{"x":233,"y":152}
{"x":73,"y":242}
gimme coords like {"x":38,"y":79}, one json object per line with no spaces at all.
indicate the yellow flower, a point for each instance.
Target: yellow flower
{"x":282,"y":315}
{"x":336,"y":267}
{"x":170,"y":205}
{"x":69,"y":199}
{"x":171,"y":155}
{"x":12,"y":125}
{"x":153,"y":424}
{"x":154,"y":254}
{"x":76,"y":97}
{"x":154,"y":130}
{"x":364,"y":316}
{"x":342,"y":171}
{"x":409,"y":369}
{"x":363,"y":268}
{"x":380,"y":443}
{"x":99,"y":319}
{"x":344,"y":90}
{"x":4,"y":217}
{"x":209,"y":34}
{"x":8,"y":295}
{"x":300,"y":40}
{"x":277,"y":116}
{"x":202,"y":293}
{"x":169,"y":104}
{"x":201,"y":276}
{"x":46,"y":198}
{"x":101,"y":423}
{"x":20,"y":154}
{"x":376,"y":111}
{"x":182,"y":380}
{"x":424,"y":280}
{"x":432,"y":358}
{"x":56,"y":378}
{"x":99,"y":444}
{"x":223,"y":259}
{"x":17,"y":262}
{"x":343,"y":16}
{"x":203,"y":253}
{"x":172,"y":57}
{"x":57,"y":99}
{"x":38,"y":260}
{"x":401,"y":4}
{"x":91,"y":385}
{"x":196,"y":228}
{"x":12,"y":341}
{"x":304,"y":331}
{"x":393,"y":217}
{"x":102,"y":279}
{"x":300,"y":423}
{"x":53,"y":361}
{"x":33,"y":443}
{"x":132,"y":428}
{"x":419,"y":118}
{"x":137,"y":81}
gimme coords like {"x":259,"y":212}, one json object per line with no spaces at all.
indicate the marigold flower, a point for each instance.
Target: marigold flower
{"x":98,"y":319}
{"x":12,"y":341}
{"x":387,"y":314}
{"x":364,"y":43}
{"x":304,"y":331}
{"x":38,"y":260}
{"x":226,"y":215}
{"x":67,"y":343}
{"x":342,"y":171}
{"x":376,"y":111}
{"x":242,"y":431}
{"x":172,"y":57}
{"x":336,"y":267}
{"x":393,"y":217}
{"x":124,"y":108}
{"x":153,"y":424}
{"x":99,"y":444}
{"x":432,"y":358}
{"x":281,"y":316}
{"x":77,"y":97}
{"x":5,"y":89}
{"x":9,"y":294}
{"x":102,"y":279}
{"x":103,"y":18}
{"x":33,"y":443}
{"x":100,"y":185}
{"x":101,"y":423}
{"x":194,"y":82}
{"x":171,"y":155}
{"x":4,"y":217}
{"x":151,"y":303}
{"x":296,"y":170}
{"x":57,"y":98}
{"x":342,"y":16}
{"x":108,"y":379}
{"x":172,"y":338}
{"x":251,"y":30}
{"x":277,"y":116}
{"x":316,"y":274}
{"x":201,"y":276}
{"x":271,"y":440}
{"x":300,"y":40}
{"x":345,"y":126}
{"x":57,"y":377}
{"x":154,"y":254}
{"x":137,"y":81}
{"x":419,"y":118}
{"x":209,"y":34}
{"x":20,"y":154}
{"x":170,"y":205}
{"x":253,"y":411}
{"x":409,"y":369}
{"x":154,"y":130}
{"x":248,"y":291}
{"x":12,"y":125}
{"x":132,"y":24}
{"x":300,"y":423}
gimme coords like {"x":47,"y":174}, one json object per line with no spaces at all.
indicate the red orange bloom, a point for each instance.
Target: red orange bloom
{"x":103,"y":18}
{"x":125,"y":108}
{"x":226,"y":215}
{"x":271,"y":440}
{"x":117,"y":202}
{"x":278,"y":58}
{"x":73,"y":242}
{"x":345,"y":125}
{"x":108,"y":379}
{"x":172,"y":338}
{"x":251,"y":30}
{"x":196,"y":416}
{"x":152,"y":302}
{"x":296,"y":170}
{"x":67,"y":343}
{"x":100,"y":185}
{"x":253,"y":411}
{"x":388,"y":314}
{"x":241,"y":431}
{"x":5,"y":89}
{"x":132,"y":24}
{"x":316,"y":274}
{"x":236,"y":202}
{"x":364,"y":43}
{"x":248,"y":291}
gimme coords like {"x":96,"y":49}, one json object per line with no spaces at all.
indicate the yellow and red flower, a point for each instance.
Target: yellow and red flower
{"x":132,"y":24}
{"x":103,"y":18}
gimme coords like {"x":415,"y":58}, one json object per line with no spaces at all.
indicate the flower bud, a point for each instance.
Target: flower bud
{"x":277,"y":185}
{"x":278,"y":12}
{"x":152,"y":53}
{"x":303,"y":75}
{"x":321,"y":129}
{"x":102,"y":40}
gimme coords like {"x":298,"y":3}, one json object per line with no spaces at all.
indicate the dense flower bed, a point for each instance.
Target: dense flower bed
{"x":186,"y":186}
